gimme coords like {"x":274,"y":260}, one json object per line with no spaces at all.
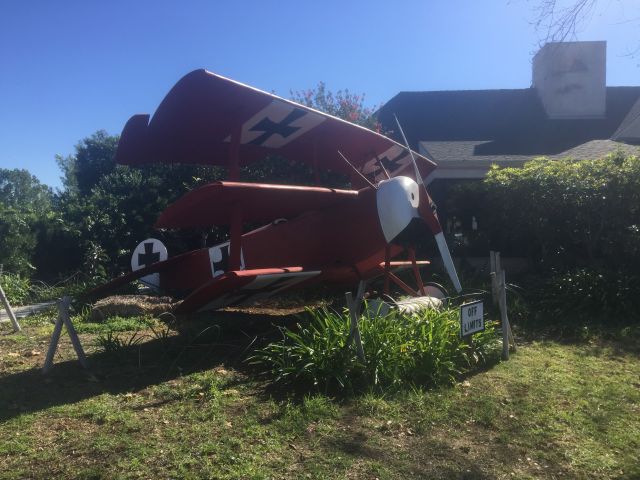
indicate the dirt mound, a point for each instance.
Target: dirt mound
{"x":130,"y":306}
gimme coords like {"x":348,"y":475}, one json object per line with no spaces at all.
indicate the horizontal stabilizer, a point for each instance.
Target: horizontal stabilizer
{"x":142,"y":272}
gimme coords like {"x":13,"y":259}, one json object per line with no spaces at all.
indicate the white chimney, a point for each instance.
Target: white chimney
{"x":570,"y":78}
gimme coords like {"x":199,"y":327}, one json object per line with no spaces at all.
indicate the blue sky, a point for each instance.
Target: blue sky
{"x":69,"y":68}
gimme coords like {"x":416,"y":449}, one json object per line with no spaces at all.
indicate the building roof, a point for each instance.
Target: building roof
{"x":630,"y":126}
{"x":597,"y":149}
{"x":464,"y":153}
{"x":498,"y":125}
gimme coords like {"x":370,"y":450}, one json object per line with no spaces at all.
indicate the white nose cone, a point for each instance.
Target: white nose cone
{"x":397,"y":200}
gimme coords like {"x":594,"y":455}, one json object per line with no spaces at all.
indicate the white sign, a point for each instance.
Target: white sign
{"x":471,"y":318}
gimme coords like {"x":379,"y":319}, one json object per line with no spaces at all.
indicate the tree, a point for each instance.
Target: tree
{"x":560,"y":20}
{"x":94,"y":158}
{"x":25,"y":208}
{"x":21,"y":190}
{"x":344,"y":104}
{"x":106,"y":209}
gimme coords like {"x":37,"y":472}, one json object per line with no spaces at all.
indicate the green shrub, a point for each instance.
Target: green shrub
{"x":21,"y":290}
{"x":561,"y":214}
{"x":421,"y":349}
{"x":16,"y":287}
{"x":585,"y":295}
{"x":112,"y":324}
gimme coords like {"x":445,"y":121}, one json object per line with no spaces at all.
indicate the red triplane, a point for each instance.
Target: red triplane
{"x":311,"y":234}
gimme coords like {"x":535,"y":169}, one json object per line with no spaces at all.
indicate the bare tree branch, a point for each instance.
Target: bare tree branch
{"x":558,"y":22}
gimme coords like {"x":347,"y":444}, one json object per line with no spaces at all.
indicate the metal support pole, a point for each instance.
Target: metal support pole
{"x":387,"y":268}
{"x":416,"y":271}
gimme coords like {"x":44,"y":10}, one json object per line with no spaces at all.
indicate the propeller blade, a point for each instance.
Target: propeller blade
{"x":448,"y":261}
{"x":432,"y":220}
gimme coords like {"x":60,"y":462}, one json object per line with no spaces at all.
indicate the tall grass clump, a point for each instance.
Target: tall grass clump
{"x":16,"y":287}
{"x":421,"y":349}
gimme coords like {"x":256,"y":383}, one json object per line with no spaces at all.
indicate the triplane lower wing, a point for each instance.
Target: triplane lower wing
{"x":310,"y":234}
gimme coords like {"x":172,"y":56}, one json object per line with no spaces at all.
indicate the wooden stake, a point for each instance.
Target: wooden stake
{"x":512,"y":341}
{"x":492,"y":270}
{"x":354,"y":313}
{"x":64,"y":319}
{"x":504,"y":320}
{"x":7,"y":307}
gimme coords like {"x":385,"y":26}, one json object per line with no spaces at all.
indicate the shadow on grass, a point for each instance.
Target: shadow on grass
{"x":200,"y":345}
{"x":601,"y":339}
{"x":423,"y":457}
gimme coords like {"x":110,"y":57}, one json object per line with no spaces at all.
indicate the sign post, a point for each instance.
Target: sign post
{"x":499,"y":294}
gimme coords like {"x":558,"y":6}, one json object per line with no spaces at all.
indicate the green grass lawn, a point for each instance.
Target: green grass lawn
{"x":186,"y":406}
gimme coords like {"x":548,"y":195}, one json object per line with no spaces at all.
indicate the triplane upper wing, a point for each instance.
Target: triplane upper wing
{"x":208,"y":119}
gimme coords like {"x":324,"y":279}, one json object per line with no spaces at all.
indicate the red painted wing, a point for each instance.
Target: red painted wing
{"x":195,"y":122}
{"x":213,"y":204}
{"x":242,"y":287}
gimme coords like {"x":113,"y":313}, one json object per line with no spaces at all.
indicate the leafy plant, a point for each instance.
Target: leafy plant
{"x":400,"y":350}
{"x":116,"y":344}
{"x":16,"y":287}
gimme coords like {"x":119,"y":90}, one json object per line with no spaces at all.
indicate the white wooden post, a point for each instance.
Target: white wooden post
{"x":492,"y":272}
{"x":502,"y":297}
{"x":7,"y":307}
{"x":64,"y":319}
{"x":53,"y":345}
{"x":512,"y":341}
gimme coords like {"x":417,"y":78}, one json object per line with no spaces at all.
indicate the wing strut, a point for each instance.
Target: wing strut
{"x":234,"y":155}
{"x":236,"y":237}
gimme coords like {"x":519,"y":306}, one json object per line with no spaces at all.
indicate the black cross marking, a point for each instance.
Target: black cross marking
{"x":149,"y":256}
{"x":392,"y":164}
{"x":223,"y":263}
{"x":269,"y":127}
